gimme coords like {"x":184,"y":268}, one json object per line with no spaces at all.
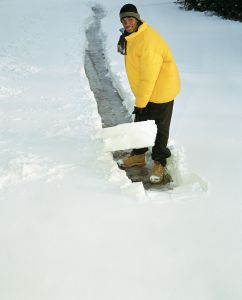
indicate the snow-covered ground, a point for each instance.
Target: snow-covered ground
{"x":72,"y":226}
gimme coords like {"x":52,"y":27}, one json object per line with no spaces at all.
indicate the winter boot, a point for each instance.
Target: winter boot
{"x":132,"y":160}
{"x":157,"y":172}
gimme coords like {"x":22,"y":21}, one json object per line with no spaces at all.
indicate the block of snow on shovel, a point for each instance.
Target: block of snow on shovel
{"x":129,"y":136}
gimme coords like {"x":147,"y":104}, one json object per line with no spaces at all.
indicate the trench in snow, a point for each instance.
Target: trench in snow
{"x":110,"y":104}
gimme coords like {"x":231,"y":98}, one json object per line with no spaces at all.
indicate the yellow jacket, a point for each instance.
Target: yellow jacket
{"x":150,"y":67}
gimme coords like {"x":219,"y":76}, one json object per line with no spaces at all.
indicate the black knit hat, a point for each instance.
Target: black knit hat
{"x":129,"y":10}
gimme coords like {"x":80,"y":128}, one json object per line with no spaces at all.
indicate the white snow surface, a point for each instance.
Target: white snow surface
{"x":72,"y":226}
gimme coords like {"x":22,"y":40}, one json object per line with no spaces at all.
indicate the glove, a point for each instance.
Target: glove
{"x":137,"y":111}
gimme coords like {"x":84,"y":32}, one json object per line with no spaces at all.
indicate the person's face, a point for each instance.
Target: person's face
{"x":129,"y":24}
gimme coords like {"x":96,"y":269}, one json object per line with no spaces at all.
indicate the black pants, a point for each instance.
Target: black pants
{"x":161,"y":113}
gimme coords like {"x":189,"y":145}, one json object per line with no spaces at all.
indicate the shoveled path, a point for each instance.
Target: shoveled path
{"x":110,"y":104}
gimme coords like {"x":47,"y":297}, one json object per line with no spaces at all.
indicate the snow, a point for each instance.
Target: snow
{"x":72,"y":226}
{"x":129,"y":136}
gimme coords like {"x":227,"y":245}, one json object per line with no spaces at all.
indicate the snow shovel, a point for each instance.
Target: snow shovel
{"x":129,"y":135}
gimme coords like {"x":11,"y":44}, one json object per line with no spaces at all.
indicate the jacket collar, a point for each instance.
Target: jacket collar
{"x":140,"y":30}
